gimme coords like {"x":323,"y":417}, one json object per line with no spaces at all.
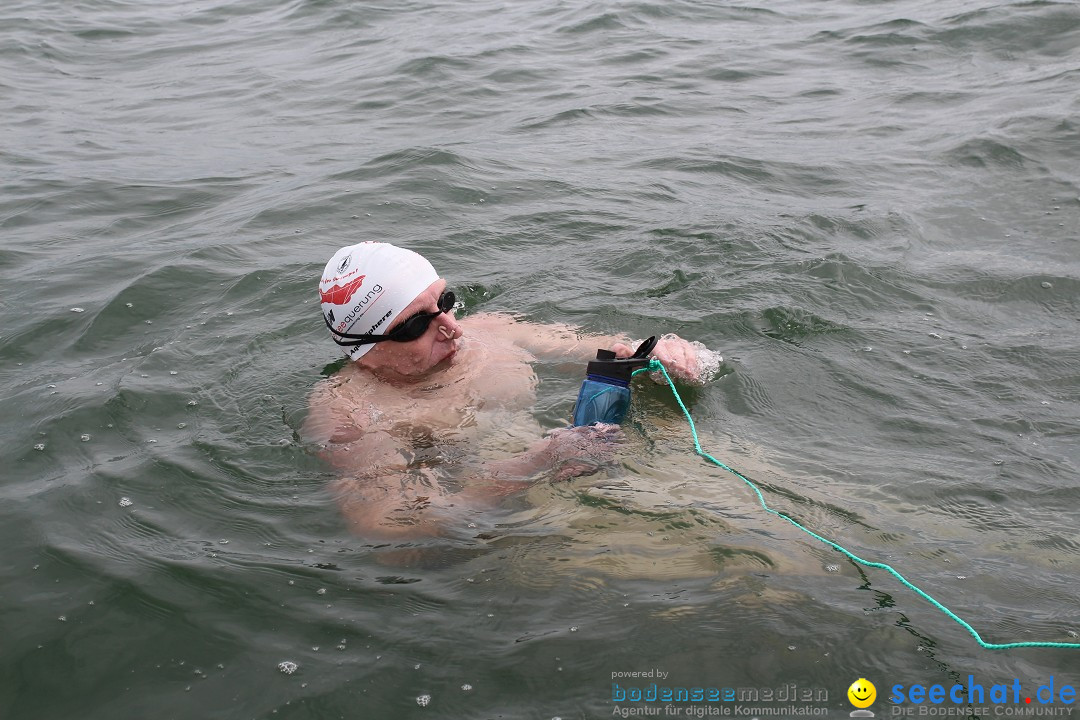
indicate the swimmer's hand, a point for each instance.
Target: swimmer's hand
{"x":565,"y":453}
{"x":583,"y":450}
{"x":690,"y":362}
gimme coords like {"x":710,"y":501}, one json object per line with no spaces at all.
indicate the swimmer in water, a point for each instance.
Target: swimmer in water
{"x":430,"y":420}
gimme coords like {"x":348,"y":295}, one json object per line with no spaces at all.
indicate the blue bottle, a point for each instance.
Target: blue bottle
{"x":605,"y":394}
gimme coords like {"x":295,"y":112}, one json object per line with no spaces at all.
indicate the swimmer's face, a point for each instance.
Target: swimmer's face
{"x":416,"y":357}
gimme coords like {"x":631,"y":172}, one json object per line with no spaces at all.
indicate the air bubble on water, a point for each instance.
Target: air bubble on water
{"x":961,"y":577}
{"x":173,"y":372}
{"x":125,"y":502}
{"x":416,"y":666}
{"x":573,"y":628}
{"x":320,"y":591}
{"x":472,"y":525}
{"x":423,"y":700}
{"x":832,"y":568}
{"x":181,"y":426}
{"x":292,"y":582}
{"x":287,"y":666}
{"x":466,"y":687}
{"x":999,"y":462}
{"x":341,"y":646}
{"x":78,"y":309}
{"x":192,"y":403}
{"x":491,"y":614}
{"x":1046,"y":285}
{"x":1074,"y":634}
{"x":791,"y":647}
{"x":315,"y":648}
{"x":85,"y":437}
{"x":935,"y":336}
{"x":39,"y":446}
{"x":62,"y":618}
{"x":223,"y":542}
{"x":709,"y":362}
{"x":50,"y":386}
{"x":99,"y":384}
{"x":149,"y":322}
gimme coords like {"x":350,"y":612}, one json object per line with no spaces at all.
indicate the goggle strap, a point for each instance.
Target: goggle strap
{"x":364,"y":338}
{"x":447,"y":299}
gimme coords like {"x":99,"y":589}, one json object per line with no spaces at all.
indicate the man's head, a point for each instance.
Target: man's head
{"x":387,"y":305}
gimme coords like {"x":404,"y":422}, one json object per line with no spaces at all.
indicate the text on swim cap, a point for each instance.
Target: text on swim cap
{"x":361,"y":307}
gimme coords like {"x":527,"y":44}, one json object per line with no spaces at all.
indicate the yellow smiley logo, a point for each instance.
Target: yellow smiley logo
{"x":862,"y":693}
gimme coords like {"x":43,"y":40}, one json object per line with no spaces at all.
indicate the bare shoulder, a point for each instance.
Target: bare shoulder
{"x":344,"y":424}
{"x":331,"y":408}
{"x":489,"y":321}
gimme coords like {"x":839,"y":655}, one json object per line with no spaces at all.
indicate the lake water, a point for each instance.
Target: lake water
{"x":871,"y":209}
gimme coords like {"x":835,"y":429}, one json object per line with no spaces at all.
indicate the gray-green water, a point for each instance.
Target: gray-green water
{"x":871,"y":209}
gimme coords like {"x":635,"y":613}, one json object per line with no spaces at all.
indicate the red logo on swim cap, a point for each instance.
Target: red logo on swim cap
{"x":340,"y":294}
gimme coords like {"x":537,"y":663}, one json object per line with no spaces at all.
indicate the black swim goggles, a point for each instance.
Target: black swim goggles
{"x":407,"y":331}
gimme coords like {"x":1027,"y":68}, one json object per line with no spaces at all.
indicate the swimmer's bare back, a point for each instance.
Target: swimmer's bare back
{"x":415,"y":458}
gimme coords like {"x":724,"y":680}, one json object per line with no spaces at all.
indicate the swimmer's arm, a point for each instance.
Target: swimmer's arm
{"x":565,"y":342}
{"x":554,"y":341}
{"x":385,"y":498}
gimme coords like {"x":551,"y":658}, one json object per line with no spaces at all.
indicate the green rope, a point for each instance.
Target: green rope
{"x":655,"y":366}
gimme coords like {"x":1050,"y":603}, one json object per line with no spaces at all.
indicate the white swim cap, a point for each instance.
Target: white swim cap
{"x":365,"y":286}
